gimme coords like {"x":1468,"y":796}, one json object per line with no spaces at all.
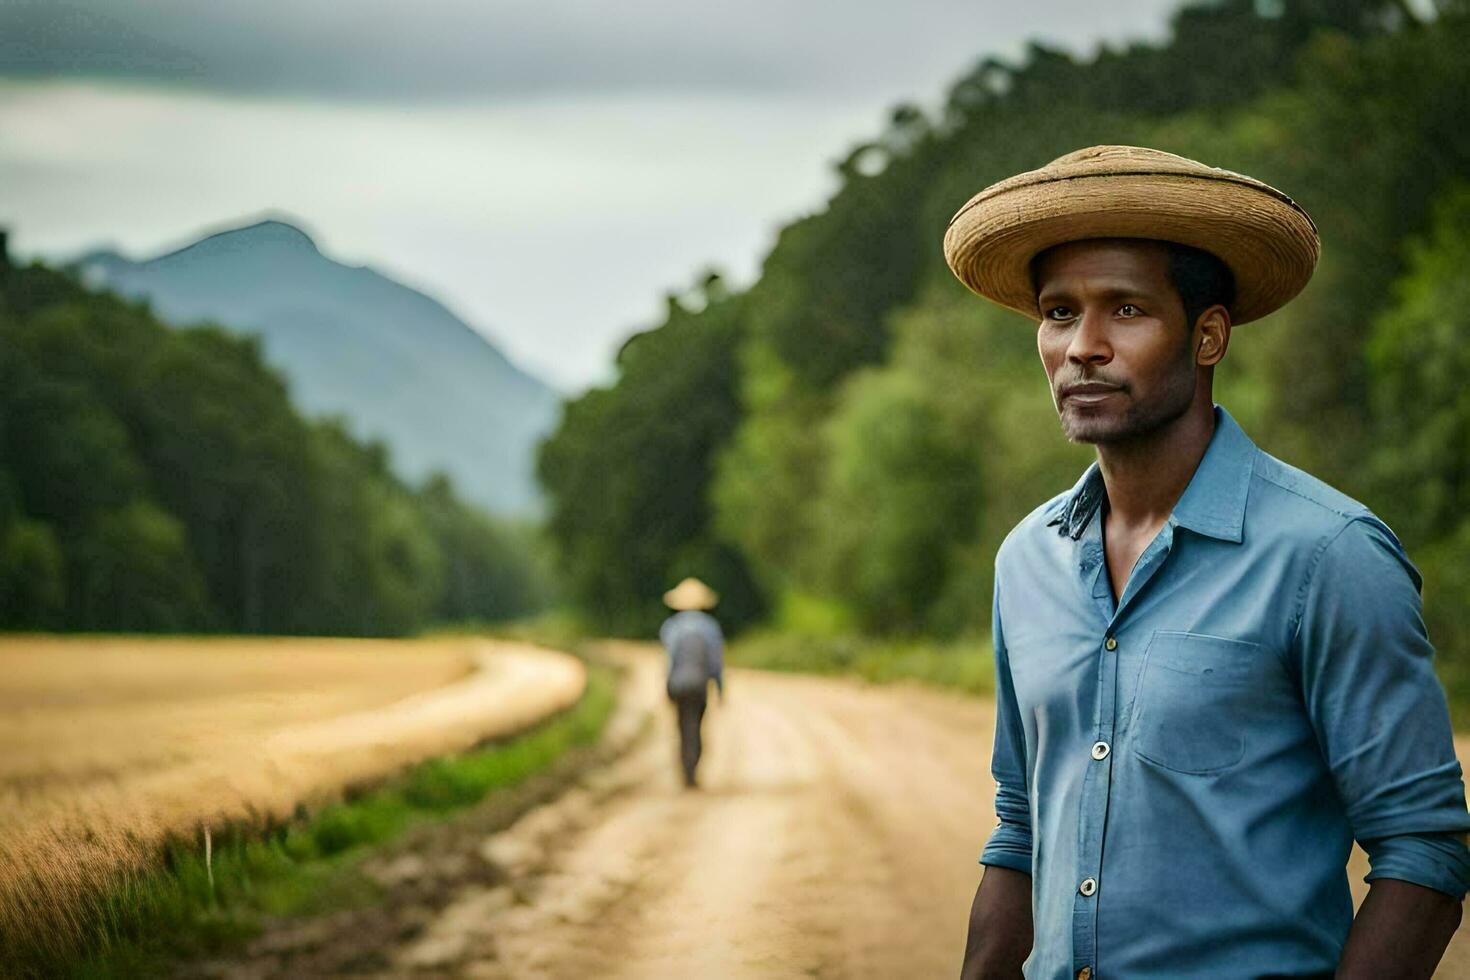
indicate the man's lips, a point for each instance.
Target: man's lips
{"x":1088,"y":391}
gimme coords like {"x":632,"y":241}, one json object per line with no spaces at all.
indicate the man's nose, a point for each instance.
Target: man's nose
{"x":1090,"y":341}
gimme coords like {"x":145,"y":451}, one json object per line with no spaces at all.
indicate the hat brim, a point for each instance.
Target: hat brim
{"x":1269,"y":243}
{"x":687,"y":598}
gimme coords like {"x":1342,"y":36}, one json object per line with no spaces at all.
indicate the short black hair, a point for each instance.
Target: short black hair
{"x":1201,"y":279}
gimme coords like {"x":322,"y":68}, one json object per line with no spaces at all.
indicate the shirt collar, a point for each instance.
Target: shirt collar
{"x":1213,"y":504}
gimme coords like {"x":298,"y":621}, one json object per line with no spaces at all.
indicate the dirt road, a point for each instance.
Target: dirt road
{"x":835,"y":836}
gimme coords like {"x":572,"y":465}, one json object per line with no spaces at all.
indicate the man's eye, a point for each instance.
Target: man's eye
{"x":1059,"y":313}
{"x":1128,"y":309}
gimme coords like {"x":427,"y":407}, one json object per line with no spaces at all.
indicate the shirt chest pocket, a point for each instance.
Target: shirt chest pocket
{"x":1196,"y":701}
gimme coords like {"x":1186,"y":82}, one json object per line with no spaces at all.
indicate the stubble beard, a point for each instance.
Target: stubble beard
{"x":1138,"y":420}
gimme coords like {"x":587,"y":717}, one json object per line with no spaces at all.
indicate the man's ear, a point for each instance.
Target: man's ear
{"x":1212,"y":331}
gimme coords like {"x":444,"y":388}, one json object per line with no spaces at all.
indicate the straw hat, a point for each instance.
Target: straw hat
{"x":690,"y":594}
{"x":1263,"y":236}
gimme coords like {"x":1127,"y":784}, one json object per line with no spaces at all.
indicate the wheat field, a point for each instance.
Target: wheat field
{"x":109,"y":746}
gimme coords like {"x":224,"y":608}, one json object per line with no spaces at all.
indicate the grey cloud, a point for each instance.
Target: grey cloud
{"x":456,"y":49}
{"x":39,"y":38}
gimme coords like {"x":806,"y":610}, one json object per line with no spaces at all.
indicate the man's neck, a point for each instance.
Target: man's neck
{"x":1146,"y":477}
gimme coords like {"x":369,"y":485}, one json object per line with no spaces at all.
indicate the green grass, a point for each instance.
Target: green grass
{"x":962,"y":665}
{"x":558,"y":628}
{"x":306,"y":867}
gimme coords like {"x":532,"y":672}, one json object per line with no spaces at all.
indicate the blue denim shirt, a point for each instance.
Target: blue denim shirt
{"x":1183,"y":771}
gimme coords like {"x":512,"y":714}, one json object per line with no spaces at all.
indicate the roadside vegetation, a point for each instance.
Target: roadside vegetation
{"x":195,"y":901}
{"x":810,"y":635}
{"x":962,"y":665}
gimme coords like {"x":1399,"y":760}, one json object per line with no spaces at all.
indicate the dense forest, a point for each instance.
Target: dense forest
{"x":849,"y":439}
{"x":161,"y":480}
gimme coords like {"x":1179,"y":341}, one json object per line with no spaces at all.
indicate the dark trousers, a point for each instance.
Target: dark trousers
{"x":690,"y":708}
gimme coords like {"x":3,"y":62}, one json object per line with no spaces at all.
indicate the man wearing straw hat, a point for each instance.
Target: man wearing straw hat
{"x":1212,"y":675}
{"x":696,"y":650}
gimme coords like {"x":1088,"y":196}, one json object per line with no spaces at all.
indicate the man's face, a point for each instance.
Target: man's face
{"x":1113,"y":339}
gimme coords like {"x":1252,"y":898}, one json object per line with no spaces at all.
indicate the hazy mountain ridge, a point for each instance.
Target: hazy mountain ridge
{"x":395,"y":362}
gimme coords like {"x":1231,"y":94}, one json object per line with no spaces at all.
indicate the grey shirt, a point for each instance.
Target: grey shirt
{"x":708,"y":630}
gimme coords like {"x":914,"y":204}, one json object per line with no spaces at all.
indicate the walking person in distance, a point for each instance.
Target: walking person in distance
{"x":696,"y":649}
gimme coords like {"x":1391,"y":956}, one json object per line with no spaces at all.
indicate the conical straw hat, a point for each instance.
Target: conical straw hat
{"x":1264,"y":237}
{"x":690,"y":594}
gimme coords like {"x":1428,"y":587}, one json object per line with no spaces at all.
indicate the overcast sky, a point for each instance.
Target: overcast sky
{"x":549,"y":169}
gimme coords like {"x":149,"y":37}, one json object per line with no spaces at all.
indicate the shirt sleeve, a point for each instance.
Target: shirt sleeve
{"x":1010,"y":843}
{"x":1378,"y":710}
{"x":717,"y":654}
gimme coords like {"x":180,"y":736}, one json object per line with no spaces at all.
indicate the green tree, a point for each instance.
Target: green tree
{"x":898,"y":498}
{"x":32,"y":576}
{"x":768,"y":476}
{"x":379,"y":569}
{"x":153,"y":479}
{"x":490,"y":568}
{"x":233,"y":460}
{"x":628,"y":471}
{"x":134,"y":572}
{"x":1420,"y":359}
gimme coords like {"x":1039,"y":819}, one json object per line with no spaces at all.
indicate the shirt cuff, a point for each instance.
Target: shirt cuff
{"x":1437,"y":861}
{"x":1008,"y":848}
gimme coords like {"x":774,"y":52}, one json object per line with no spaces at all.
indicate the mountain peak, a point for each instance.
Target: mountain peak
{"x":272,"y":236}
{"x":355,"y":343}
{"x":272,"y":232}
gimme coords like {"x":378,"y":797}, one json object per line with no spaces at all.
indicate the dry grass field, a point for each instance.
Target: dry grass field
{"x":110,"y":745}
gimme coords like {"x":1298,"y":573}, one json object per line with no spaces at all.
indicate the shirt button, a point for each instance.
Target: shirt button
{"x":1100,"y":750}
{"x":1112,"y":644}
{"x":1088,"y":886}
